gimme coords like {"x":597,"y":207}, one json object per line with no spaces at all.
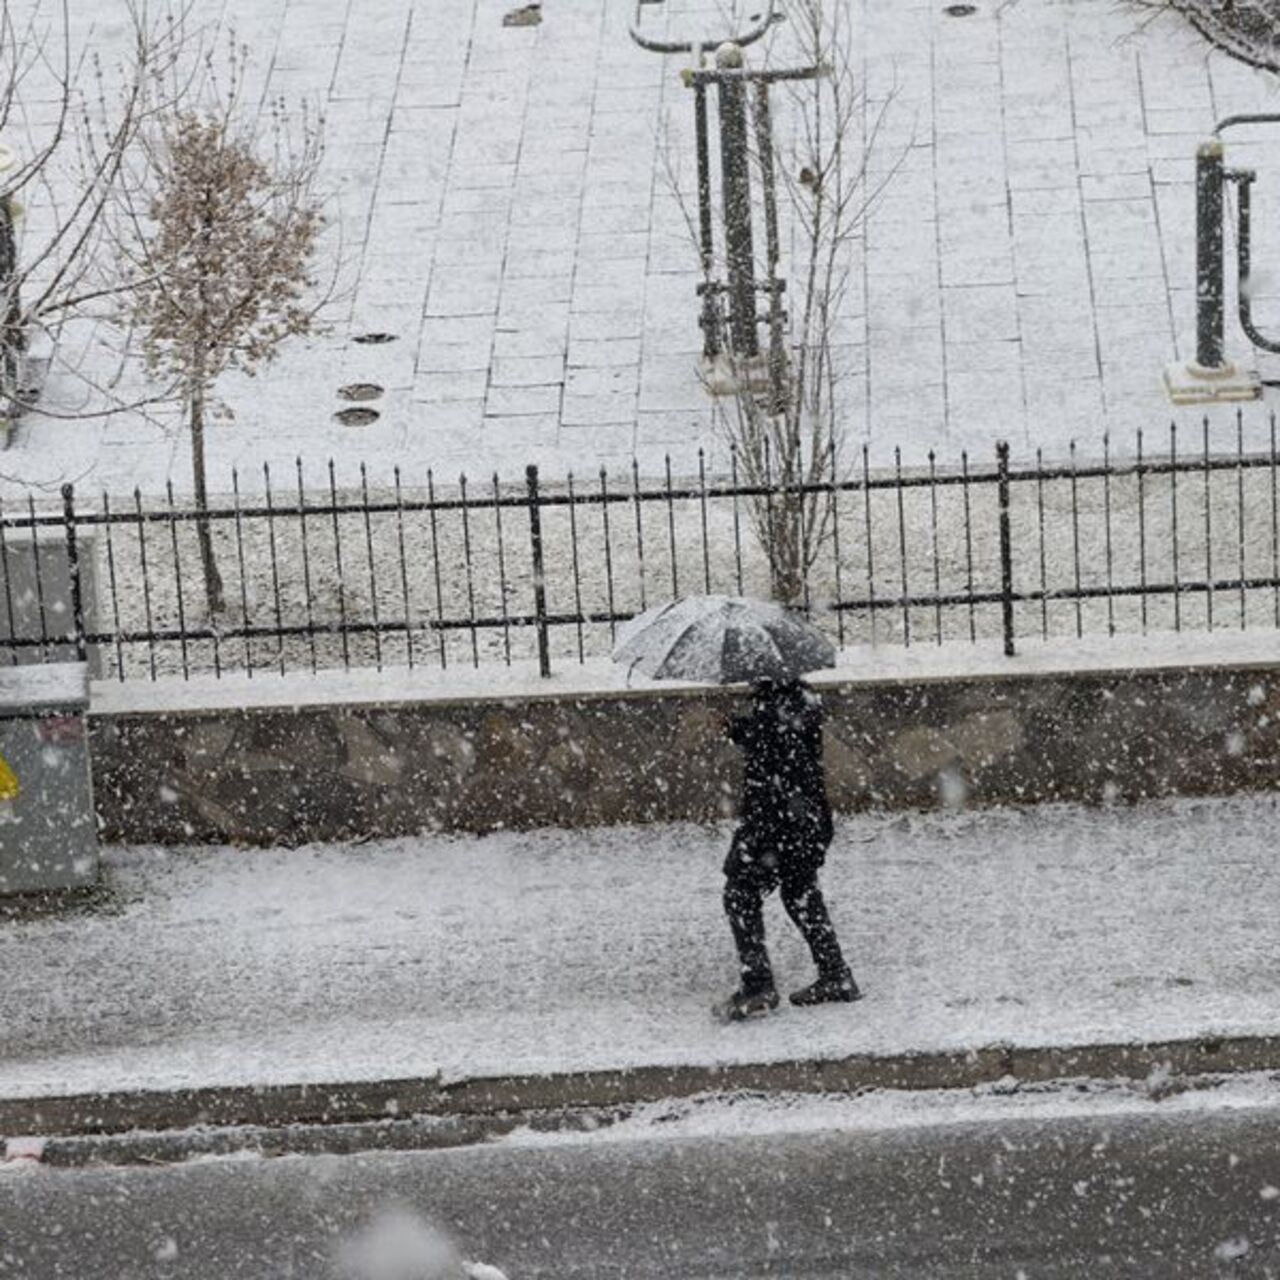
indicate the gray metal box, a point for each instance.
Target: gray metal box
{"x":35,"y":595}
{"x":48,"y":831}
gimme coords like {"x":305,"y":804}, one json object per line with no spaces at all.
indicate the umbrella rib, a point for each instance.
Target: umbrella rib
{"x":747,"y":626}
{"x":659,"y":612}
{"x":671,"y":648}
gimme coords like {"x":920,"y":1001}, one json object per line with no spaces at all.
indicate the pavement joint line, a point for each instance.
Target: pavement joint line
{"x":490,"y":1100}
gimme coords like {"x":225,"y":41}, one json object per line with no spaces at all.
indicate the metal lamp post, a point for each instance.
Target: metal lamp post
{"x":1212,"y":376}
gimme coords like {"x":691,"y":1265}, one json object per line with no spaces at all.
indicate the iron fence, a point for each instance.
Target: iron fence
{"x":1184,"y":535}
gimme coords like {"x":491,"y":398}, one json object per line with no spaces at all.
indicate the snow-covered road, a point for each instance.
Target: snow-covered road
{"x":1167,"y":1195}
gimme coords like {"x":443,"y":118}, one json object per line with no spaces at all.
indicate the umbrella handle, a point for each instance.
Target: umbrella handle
{"x":630,"y":669}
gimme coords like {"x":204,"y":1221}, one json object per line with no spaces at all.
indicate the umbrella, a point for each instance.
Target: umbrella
{"x":722,"y":640}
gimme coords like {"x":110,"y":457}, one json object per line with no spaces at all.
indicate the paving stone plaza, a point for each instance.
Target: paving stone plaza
{"x":502,"y":208}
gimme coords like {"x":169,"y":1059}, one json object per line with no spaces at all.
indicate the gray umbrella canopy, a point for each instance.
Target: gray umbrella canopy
{"x":722,"y":640}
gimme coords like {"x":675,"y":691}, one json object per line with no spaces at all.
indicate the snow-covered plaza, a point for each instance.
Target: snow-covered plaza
{"x":501,"y":208}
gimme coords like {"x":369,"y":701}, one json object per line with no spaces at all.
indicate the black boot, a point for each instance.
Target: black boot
{"x":744,"y":1004}
{"x":832,"y":988}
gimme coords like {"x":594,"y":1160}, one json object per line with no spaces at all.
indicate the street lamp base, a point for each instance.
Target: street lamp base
{"x":726,"y":375}
{"x":1190,"y":383}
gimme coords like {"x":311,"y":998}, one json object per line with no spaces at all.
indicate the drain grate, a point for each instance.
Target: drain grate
{"x":358,"y":391}
{"x":529,"y":15}
{"x":356,"y":417}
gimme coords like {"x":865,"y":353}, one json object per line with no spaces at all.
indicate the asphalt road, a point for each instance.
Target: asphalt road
{"x":1173,"y":1195}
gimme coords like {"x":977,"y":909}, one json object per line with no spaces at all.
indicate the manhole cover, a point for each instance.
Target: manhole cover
{"x":529,"y":15}
{"x":356,"y":417}
{"x":960,"y":10}
{"x":373,"y":339}
{"x":360,"y":391}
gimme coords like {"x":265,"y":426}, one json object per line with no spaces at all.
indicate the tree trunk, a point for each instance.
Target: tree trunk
{"x":12,"y":342}
{"x":213,"y":592}
{"x":786,"y":554}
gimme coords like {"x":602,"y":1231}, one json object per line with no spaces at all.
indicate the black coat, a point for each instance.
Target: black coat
{"x":784,"y":794}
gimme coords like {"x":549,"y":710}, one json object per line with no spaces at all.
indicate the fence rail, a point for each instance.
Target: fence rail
{"x":1186,"y":535}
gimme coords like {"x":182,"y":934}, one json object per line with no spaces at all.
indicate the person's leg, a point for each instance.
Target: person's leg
{"x":744,"y":906}
{"x":808,"y":911}
{"x":747,"y":881}
{"x":804,"y":903}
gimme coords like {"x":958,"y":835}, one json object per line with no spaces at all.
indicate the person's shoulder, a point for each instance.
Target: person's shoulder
{"x":808,"y":699}
{"x":809,"y":709}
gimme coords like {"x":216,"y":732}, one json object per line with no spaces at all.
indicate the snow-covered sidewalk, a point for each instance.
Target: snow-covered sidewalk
{"x":562,"y":951}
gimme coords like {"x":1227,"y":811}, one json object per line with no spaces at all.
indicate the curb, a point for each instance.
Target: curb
{"x":96,"y":1114}
{"x":464,"y":1105}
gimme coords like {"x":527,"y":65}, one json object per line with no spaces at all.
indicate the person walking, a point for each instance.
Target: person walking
{"x":781,"y":843}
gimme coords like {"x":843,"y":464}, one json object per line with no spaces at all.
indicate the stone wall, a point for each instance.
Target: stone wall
{"x":327,"y":773}
{"x":291,"y":774}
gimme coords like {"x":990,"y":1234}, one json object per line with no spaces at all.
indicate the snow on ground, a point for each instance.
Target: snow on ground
{"x":556,"y":951}
{"x":499,"y":199}
{"x":887,"y":664}
{"x":754,"y":1114}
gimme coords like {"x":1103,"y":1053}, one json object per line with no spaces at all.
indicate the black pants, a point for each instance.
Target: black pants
{"x":752,"y":872}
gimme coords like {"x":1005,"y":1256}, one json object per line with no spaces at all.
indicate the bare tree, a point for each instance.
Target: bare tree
{"x":70,"y":123}
{"x":780,"y":414}
{"x":220,"y":263}
{"x":1246,"y":29}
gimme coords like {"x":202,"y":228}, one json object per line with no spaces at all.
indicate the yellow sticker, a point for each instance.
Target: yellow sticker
{"x":8,"y":781}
